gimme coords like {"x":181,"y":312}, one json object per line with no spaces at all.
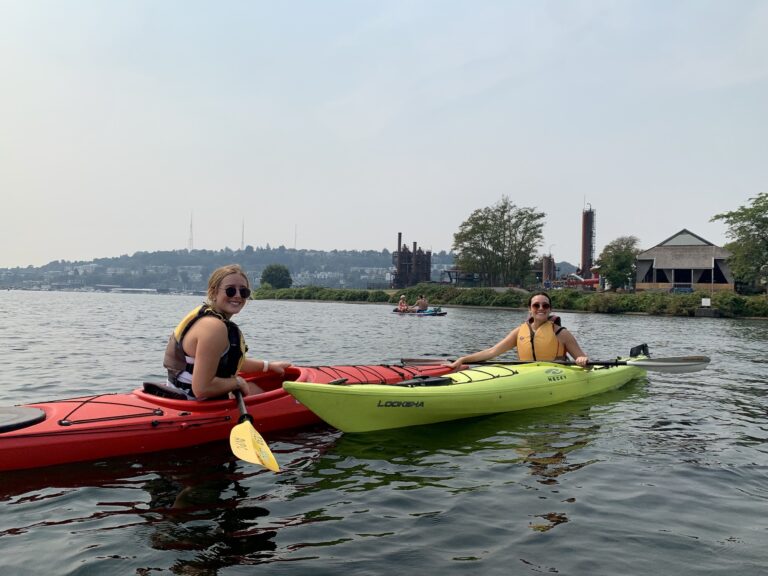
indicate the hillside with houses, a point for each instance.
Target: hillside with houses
{"x":188,"y":270}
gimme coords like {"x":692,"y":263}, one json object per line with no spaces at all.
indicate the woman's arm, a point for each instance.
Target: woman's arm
{"x":252,"y":365}
{"x":503,"y":345}
{"x":572,"y":348}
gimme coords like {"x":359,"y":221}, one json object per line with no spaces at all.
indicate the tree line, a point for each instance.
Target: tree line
{"x":728,"y":304}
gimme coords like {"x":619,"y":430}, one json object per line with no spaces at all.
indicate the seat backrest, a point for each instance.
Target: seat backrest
{"x":164,"y":390}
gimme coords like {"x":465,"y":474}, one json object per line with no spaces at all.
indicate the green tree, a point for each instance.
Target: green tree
{"x":276,"y":276}
{"x":748,"y":227}
{"x":617,"y":261}
{"x":499,"y":243}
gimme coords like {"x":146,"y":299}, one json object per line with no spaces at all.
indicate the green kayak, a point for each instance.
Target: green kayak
{"x":487,"y":389}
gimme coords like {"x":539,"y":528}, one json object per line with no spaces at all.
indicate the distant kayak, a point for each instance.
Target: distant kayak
{"x":432,"y":311}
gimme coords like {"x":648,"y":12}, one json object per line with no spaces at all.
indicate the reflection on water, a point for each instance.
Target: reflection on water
{"x":192,"y":501}
{"x":204,"y":510}
{"x":546,"y":443}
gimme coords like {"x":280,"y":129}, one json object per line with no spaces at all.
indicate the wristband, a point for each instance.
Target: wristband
{"x":266,"y":365}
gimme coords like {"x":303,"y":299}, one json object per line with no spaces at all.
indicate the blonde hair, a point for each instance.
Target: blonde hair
{"x":217,"y":277}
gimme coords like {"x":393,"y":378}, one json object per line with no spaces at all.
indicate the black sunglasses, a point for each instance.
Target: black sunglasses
{"x":230,"y":291}
{"x":543,"y":305}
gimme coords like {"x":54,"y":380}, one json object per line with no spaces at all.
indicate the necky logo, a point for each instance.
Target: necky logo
{"x":555,"y":375}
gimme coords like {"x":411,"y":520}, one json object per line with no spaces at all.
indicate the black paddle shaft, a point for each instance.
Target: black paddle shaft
{"x":241,"y":406}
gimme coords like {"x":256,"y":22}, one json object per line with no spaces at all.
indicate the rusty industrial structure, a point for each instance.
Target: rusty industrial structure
{"x":548,"y":268}
{"x":411,"y":266}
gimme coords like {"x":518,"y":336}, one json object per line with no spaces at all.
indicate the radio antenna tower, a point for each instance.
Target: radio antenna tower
{"x":242,"y":236}
{"x":191,"y":241}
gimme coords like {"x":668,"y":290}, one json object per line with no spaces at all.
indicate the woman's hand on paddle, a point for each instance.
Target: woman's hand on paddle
{"x":456,"y":364}
{"x":242,"y":385}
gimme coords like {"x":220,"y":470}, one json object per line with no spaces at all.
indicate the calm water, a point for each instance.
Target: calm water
{"x":668,"y":475}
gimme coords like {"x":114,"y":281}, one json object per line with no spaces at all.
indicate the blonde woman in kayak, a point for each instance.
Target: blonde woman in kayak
{"x":207,"y":350}
{"x":539,"y":338}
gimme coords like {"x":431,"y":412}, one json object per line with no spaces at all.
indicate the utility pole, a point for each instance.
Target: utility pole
{"x":190,"y":243}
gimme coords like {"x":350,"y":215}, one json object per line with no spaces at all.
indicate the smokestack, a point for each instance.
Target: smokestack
{"x":587,"y":241}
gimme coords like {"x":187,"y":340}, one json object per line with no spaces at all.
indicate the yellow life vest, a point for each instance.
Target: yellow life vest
{"x":175,"y":361}
{"x":541,"y":344}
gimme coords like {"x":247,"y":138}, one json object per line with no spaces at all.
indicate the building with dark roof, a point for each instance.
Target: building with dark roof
{"x":684,"y":262}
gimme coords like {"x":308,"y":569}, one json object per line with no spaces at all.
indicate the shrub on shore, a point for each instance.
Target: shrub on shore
{"x":654,"y":303}
{"x":320,"y":293}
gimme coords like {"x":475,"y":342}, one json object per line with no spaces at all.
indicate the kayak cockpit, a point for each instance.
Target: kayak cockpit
{"x":17,"y":417}
{"x":266,"y":381}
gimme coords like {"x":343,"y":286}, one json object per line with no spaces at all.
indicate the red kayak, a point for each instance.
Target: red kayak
{"x":105,"y":425}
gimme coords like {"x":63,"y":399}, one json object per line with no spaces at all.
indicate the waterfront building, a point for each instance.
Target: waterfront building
{"x":684,"y":262}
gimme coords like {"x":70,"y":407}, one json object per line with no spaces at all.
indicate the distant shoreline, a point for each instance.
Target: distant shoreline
{"x":722,"y":304}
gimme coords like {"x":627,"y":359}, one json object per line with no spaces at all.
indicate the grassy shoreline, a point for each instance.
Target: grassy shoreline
{"x":728,"y":304}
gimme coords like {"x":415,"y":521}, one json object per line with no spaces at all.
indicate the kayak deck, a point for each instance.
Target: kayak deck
{"x":107,"y":425}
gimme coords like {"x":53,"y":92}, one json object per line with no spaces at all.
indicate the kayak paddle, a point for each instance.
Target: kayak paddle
{"x":674,"y":365}
{"x":246,"y":443}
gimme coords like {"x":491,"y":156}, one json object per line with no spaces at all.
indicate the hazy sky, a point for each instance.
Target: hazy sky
{"x":337,"y":124}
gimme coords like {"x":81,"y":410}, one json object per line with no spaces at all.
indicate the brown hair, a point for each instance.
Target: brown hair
{"x":539,"y":294}
{"x":218,"y":275}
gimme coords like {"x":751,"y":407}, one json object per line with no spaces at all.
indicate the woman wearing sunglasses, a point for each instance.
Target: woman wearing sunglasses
{"x":207,"y":350}
{"x":539,"y":338}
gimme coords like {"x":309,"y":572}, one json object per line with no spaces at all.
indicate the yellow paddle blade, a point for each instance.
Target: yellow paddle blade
{"x":247,"y":444}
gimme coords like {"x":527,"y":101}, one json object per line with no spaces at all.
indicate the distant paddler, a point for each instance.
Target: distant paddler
{"x":421,"y":304}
